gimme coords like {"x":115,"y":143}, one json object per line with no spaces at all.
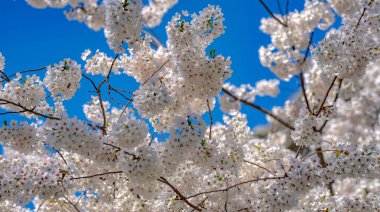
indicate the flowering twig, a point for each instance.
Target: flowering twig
{"x":211,"y":121}
{"x":96,"y":175}
{"x":255,"y":164}
{"x":236,"y":185}
{"x":326,"y":95}
{"x":183,"y":198}
{"x":131,"y":99}
{"x":155,"y":72}
{"x":25,"y":109}
{"x":21,"y":72}
{"x":258,"y":108}
{"x":302,"y":76}
{"x":71,"y":203}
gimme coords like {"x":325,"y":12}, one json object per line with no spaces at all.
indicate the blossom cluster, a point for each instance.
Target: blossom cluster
{"x":319,"y":152}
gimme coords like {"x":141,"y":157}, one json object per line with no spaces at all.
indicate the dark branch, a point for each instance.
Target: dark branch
{"x":25,"y":109}
{"x":96,"y":175}
{"x":183,"y":198}
{"x":236,"y":185}
{"x":325,"y":98}
{"x":258,"y":108}
{"x":272,"y":14}
{"x":211,"y":121}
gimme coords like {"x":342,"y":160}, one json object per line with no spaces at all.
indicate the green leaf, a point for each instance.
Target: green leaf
{"x":218,"y":177}
{"x":369,"y":153}
{"x":203,"y":142}
{"x":209,"y":23}
{"x":258,"y":147}
{"x":5,"y":123}
{"x":181,"y":26}
{"x":23,"y":81}
{"x":212,"y":53}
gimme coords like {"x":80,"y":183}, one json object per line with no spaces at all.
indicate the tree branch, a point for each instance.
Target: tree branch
{"x":236,"y":185}
{"x":272,"y":14}
{"x":183,"y":198}
{"x":25,"y":109}
{"x":211,"y":121}
{"x":258,"y":108}
{"x":96,"y":175}
{"x":326,"y":95}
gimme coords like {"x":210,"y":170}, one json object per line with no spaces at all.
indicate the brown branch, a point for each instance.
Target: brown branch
{"x":299,"y":151}
{"x":199,"y":205}
{"x":25,"y":109}
{"x":40,"y":206}
{"x":324,"y":164}
{"x":131,"y":99}
{"x":211,"y":121}
{"x":98,"y":91}
{"x":116,"y":147}
{"x":335,"y":100}
{"x":326,"y":95}
{"x":236,"y":185}
{"x":287,"y":12}
{"x":71,"y":203}
{"x":183,"y":198}
{"x":272,"y":14}
{"x":96,"y":175}
{"x":361,"y":16}
{"x":26,"y":71}
{"x":339,"y":87}
{"x":258,"y":108}
{"x":61,"y":156}
{"x":80,"y":198}
{"x":5,"y":75}
{"x":155,"y":73}
{"x":302,"y":76}
{"x":126,"y":106}
{"x":279,"y":8}
{"x":255,"y":164}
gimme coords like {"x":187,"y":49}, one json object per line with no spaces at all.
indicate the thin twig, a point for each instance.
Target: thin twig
{"x":258,"y":108}
{"x":361,"y":16}
{"x":155,"y":72}
{"x":71,"y":203}
{"x":25,"y":109}
{"x":39,"y":207}
{"x":98,"y":91}
{"x":183,"y":198}
{"x":287,"y":13}
{"x":255,"y":164}
{"x":27,"y":71}
{"x":5,"y":75}
{"x":64,"y":160}
{"x":279,"y":8}
{"x":302,"y":76}
{"x":272,"y":14}
{"x":326,"y":95}
{"x":299,"y":151}
{"x":236,"y":185}
{"x":96,"y":175}
{"x":211,"y":121}
{"x":199,"y":205}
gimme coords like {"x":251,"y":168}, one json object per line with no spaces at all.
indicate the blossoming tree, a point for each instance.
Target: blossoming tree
{"x":320,"y":152}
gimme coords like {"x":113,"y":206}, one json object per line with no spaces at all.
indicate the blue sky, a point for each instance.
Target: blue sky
{"x":31,"y":38}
